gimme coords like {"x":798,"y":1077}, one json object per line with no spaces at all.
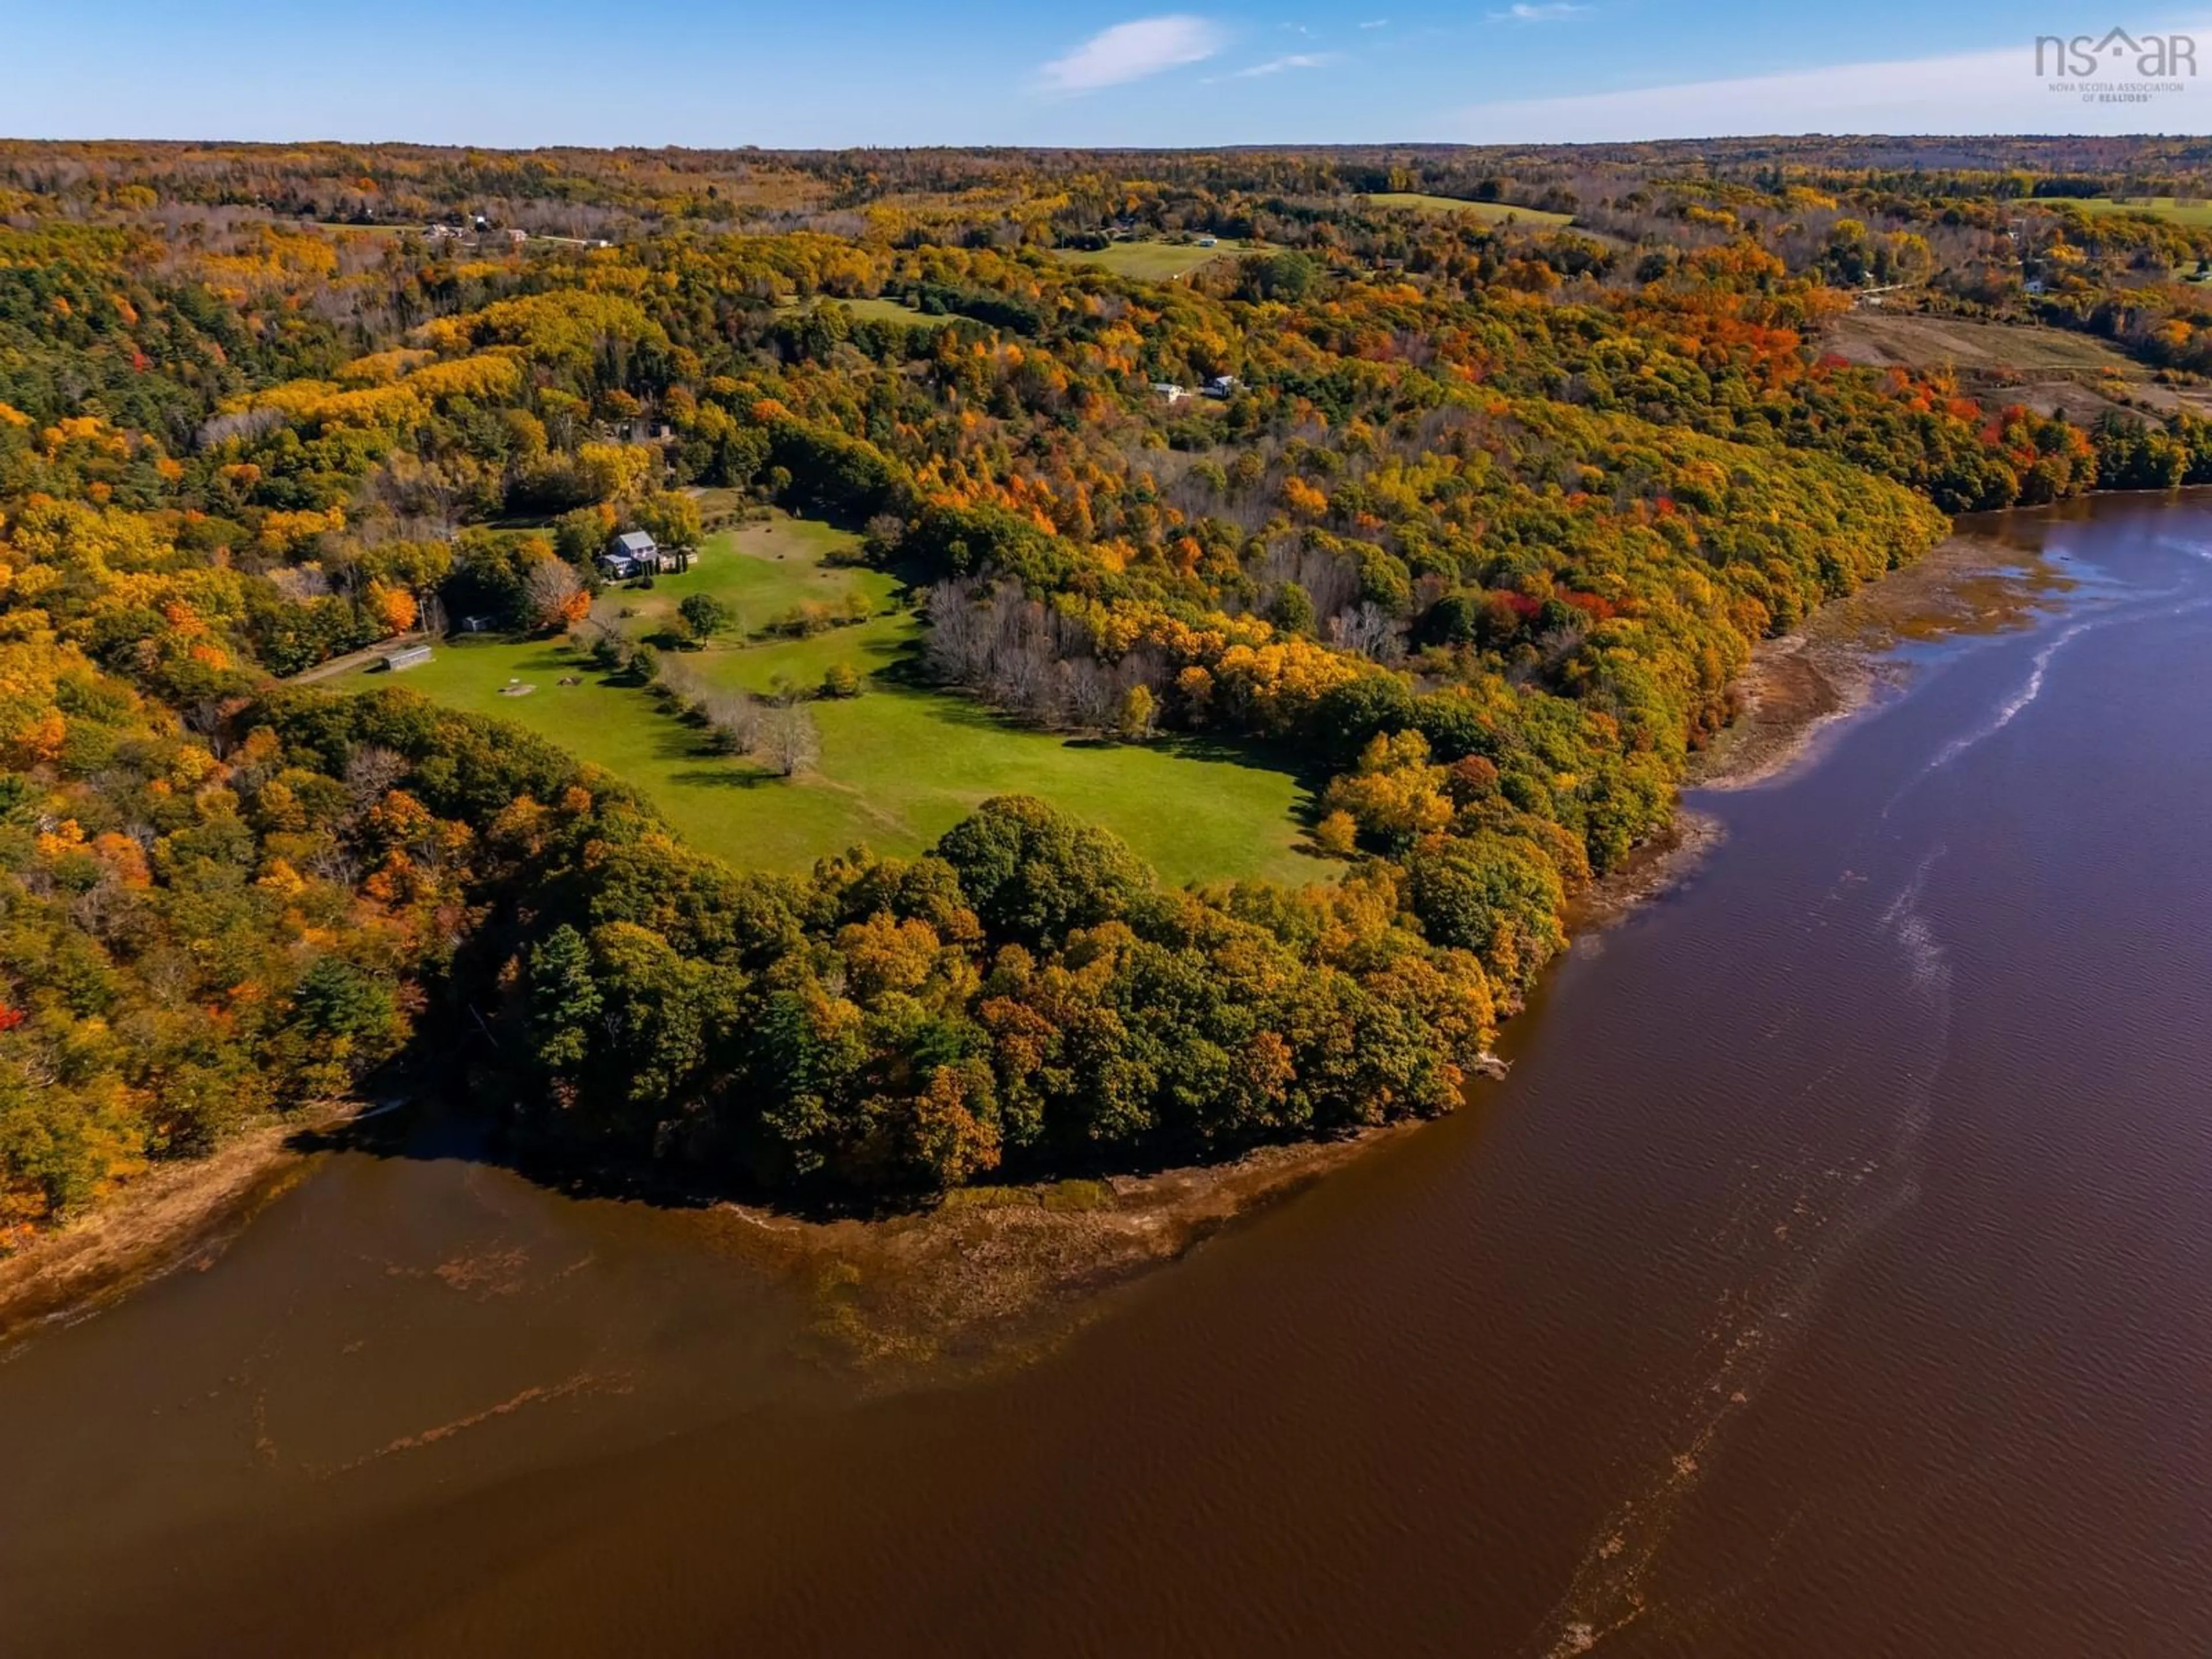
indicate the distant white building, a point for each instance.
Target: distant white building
{"x":1168,"y":391}
{"x":1223,"y":386}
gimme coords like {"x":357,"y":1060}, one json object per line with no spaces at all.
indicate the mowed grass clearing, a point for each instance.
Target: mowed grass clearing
{"x":867,"y":309}
{"x":888,"y":311}
{"x":1494,"y":212}
{"x":901,"y":763}
{"x":2182,"y":210}
{"x":1150,"y":262}
{"x":879,"y":310}
{"x":762,"y":571}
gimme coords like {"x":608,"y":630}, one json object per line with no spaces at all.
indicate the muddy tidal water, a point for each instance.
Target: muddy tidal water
{"x":1833,"y":1278}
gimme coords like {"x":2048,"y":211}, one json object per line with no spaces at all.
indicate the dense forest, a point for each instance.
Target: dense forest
{"x":1503,"y":462}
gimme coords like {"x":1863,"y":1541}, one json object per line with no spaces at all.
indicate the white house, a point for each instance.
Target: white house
{"x":633,"y":553}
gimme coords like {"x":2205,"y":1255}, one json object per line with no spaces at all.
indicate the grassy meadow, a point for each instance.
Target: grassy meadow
{"x":866,"y":310}
{"x":900,"y":764}
{"x":886,"y":311}
{"x":1150,"y":262}
{"x":1494,"y":212}
{"x":2183,"y":210}
{"x":762,"y":571}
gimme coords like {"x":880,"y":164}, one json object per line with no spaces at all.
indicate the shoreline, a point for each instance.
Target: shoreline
{"x":999,"y":1272}
{"x":995,"y":1277}
{"x":1002,"y":1272}
{"x":180,"y":1215}
{"x":1800,"y":688}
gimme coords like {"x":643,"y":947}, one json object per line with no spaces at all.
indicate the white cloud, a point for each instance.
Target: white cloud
{"x":1296,"y":60}
{"x":1547,"y":11}
{"x":1132,"y":51}
{"x":1971,"y":92}
{"x":1377,"y":23}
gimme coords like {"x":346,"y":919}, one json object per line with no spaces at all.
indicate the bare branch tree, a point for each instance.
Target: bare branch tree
{"x":789,"y":741}
{"x":1368,"y":629}
{"x":549,"y":589}
{"x":371,"y":772}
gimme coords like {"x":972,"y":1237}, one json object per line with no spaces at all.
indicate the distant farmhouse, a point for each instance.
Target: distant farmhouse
{"x":634,"y":553}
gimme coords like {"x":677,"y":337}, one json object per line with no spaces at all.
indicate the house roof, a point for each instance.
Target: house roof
{"x":634,"y":541}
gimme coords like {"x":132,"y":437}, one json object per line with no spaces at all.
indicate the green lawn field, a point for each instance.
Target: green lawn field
{"x":868,"y":310}
{"x":901,"y":763}
{"x":1495,"y":212}
{"x":887,"y":311}
{"x":1150,"y":262}
{"x":762,"y":571}
{"x":2193,"y":211}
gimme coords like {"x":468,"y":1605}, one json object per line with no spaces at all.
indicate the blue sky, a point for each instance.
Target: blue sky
{"x":713,"y":73}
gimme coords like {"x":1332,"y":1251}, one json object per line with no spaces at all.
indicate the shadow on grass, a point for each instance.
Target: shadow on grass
{"x":735,"y":776}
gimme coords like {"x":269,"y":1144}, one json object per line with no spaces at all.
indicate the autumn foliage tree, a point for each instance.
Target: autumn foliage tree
{"x":1480,"y":544}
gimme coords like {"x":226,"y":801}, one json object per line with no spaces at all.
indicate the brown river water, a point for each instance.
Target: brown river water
{"x":1832,"y":1277}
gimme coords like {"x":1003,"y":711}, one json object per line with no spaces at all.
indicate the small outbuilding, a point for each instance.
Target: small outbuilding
{"x":408,"y":656}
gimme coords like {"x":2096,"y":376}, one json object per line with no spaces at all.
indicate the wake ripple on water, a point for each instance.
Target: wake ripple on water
{"x":2195,"y":550}
{"x":2012,"y":706}
{"x":1811,"y":1221}
{"x":2018,"y":704}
